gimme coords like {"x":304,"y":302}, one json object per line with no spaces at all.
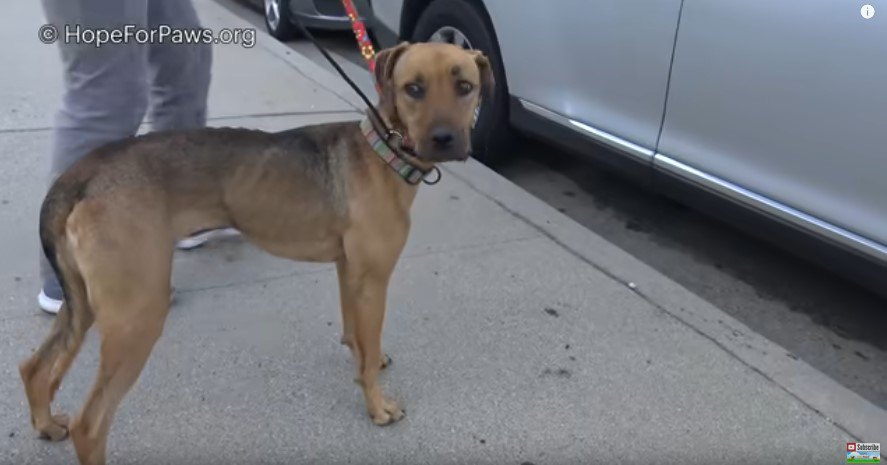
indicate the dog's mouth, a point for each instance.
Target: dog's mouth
{"x":457,"y":150}
{"x":443,"y":156}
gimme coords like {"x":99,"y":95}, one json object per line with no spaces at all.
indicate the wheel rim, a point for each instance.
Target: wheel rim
{"x":451,"y":35}
{"x":272,"y":13}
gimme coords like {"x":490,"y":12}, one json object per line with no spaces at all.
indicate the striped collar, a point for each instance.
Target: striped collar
{"x":411,"y":173}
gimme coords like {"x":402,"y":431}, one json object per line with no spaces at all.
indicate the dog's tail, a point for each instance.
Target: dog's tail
{"x":58,"y":204}
{"x":75,"y":316}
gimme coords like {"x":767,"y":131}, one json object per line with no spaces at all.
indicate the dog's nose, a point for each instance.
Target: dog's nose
{"x":442,"y":138}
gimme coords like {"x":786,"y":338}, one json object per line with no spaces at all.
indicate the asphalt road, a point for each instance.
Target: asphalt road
{"x":831,"y":324}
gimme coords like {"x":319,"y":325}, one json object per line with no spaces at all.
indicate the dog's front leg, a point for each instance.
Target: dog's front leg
{"x":349,"y":312}
{"x":369,"y":318}
{"x":364,"y":275}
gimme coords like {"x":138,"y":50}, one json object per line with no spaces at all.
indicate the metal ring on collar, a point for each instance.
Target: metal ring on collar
{"x":437,"y":180}
{"x":395,"y":133}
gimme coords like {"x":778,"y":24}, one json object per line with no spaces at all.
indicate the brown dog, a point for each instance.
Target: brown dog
{"x":319,"y":193}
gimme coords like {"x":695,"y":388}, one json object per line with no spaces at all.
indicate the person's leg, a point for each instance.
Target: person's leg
{"x":105,"y":95}
{"x":179,"y":73}
{"x":180,"y":80}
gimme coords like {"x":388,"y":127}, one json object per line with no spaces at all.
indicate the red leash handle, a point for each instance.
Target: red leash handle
{"x":363,"y":38}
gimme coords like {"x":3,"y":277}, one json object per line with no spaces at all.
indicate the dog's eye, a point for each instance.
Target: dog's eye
{"x":464,"y":87}
{"x":415,"y":90}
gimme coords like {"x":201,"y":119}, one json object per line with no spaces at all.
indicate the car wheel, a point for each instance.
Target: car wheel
{"x":279,"y":20}
{"x":461,"y":23}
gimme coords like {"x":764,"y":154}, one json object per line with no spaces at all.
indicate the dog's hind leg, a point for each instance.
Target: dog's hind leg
{"x":124,"y":351}
{"x":43,"y":372}
{"x":126,"y":262}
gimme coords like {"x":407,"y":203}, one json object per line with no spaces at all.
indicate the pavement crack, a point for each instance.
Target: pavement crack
{"x":285,"y":113}
{"x":147,"y":121}
{"x":331,"y":269}
{"x":25,"y":130}
{"x":253,"y":282}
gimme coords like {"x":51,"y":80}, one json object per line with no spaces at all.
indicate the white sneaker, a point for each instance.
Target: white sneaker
{"x":196,"y":240}
{"x":48,"y":304}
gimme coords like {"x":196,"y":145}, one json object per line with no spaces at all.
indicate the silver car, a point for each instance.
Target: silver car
{"x":776,"y":109}
{"x":280,"y":15}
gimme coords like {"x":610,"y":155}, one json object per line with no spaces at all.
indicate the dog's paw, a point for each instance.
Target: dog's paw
{"x":389,"y":413}
{"x":57,"y":430}
{"x":386,"y":361}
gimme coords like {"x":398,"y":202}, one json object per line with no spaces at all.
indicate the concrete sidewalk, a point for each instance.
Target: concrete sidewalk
{"x":515,"y":335}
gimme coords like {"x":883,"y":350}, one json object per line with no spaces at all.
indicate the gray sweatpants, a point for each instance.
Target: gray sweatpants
{"x":109,"y":89}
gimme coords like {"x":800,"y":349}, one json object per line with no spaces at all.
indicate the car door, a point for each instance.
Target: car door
{"x":602,"y":64}
{"x":387,"y":12}
{"x":783,"y":106}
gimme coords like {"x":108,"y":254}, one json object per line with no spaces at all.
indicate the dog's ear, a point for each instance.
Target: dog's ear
{"x":385,"y":61}
{"x":487,"y":81}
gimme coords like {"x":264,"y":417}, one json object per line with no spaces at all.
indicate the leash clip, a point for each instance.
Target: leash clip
{"x":394,"y":133}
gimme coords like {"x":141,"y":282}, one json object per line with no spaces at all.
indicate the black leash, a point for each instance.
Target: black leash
{"x":304,"y":30}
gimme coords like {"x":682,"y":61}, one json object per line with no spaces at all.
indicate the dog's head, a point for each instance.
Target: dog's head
{"x":431,"y":91}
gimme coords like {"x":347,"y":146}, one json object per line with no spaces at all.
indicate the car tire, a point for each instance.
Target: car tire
{"x":279,"y":19}
{"x":491,"y":135}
